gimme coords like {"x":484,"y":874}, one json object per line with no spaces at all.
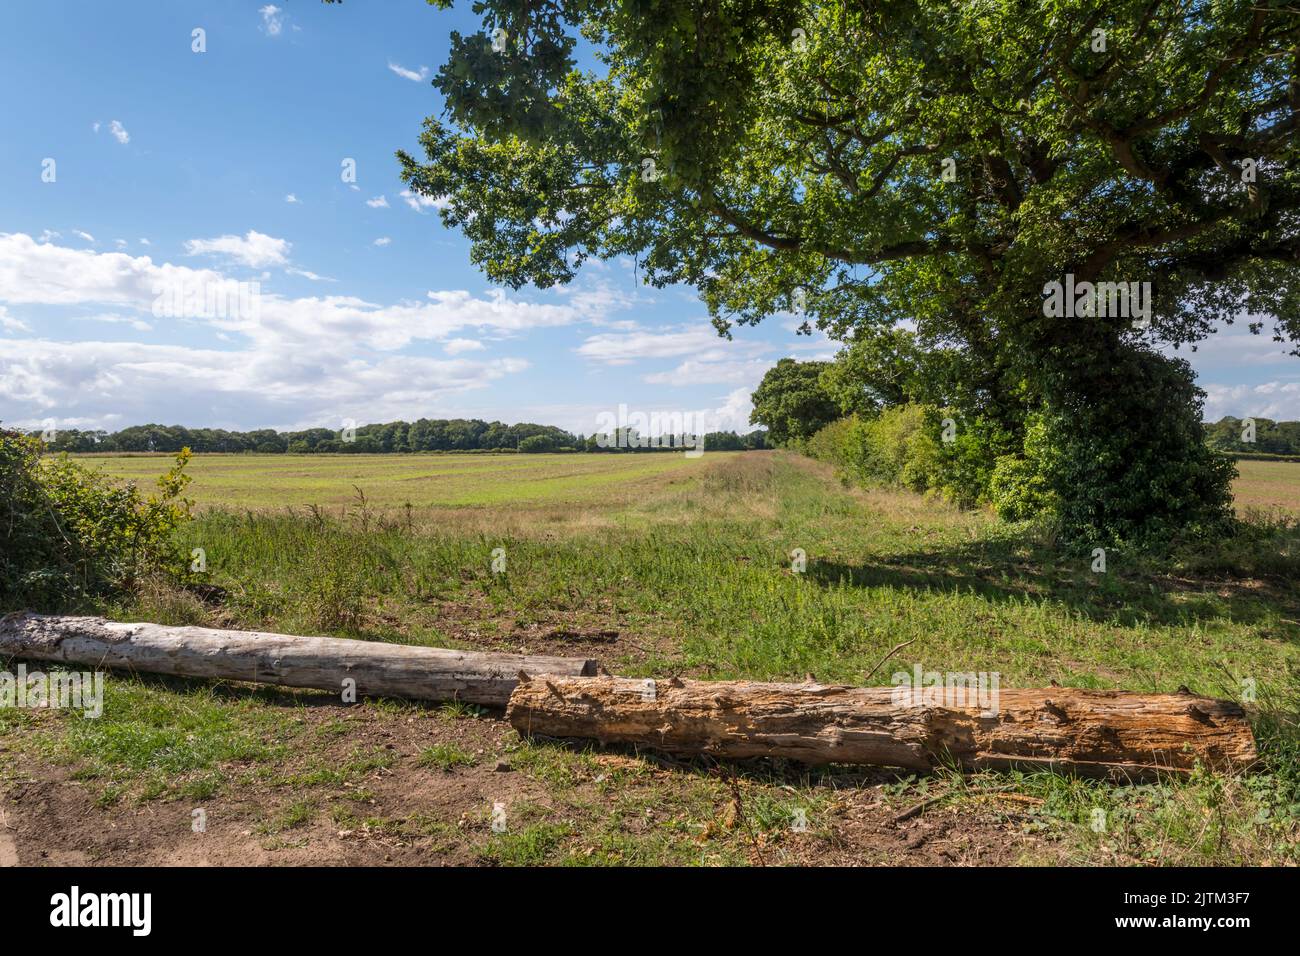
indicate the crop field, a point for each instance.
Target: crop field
{"x":1270,"y":485}
{"x":393,"y":481}
{"x":467,"y":480}
{"x":654,"y":565}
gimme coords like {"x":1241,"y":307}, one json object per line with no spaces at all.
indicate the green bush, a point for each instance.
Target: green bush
{"x":1120,"y":465}
{"x":1019,"y":488}
{"x":535,"y":444}
{"x":904,"y":446}
{"x":1130,"y":464}
{"x":67,"y":533}
{"x":831,"y":443}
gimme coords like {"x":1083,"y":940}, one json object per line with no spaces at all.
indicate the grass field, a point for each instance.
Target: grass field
{"x":393,"y":481}
{"x":1271,"y":485}
{"x":655,"y":565}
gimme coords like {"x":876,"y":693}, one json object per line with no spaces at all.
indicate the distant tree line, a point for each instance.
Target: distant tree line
{"x":457,"y":434}
{"x":1270,"y":437}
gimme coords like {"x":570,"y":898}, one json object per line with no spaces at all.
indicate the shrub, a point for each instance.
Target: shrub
{"x":831,"y":443}
{"x":66,"y":532}
{"x":1019,"y":488}
{"x":1131,"y":464}
{"x":903,"y":446}
{"x":537,"y":443}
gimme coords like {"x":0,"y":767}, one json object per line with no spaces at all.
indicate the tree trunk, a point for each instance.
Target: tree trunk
{"x":1112,"y":733}
{"x":379,"y":670}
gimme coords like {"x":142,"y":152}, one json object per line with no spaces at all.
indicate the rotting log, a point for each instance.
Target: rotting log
{"x":379,"y":669}
{"x":1120,"y":734}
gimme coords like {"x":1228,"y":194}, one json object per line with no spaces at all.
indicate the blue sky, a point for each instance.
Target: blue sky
{"x":176,"y":169}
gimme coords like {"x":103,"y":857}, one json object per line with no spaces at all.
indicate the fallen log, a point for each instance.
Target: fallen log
{"x":379,"y":670}
{"x":1119,"y":734}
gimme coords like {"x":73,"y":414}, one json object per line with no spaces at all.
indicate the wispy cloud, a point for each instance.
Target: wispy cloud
{"x":698,"y":341}
{"x":113,"y":318}
{"x":292,"y":199}
{"x":272,"y":20}
{"x":11,"y":324}
{"x":383,"y":241}
{"x":413,"y":75}
{"x":379,"y":202}
{"x":420,"y":202}
{"x":116,"y":128}
{"x":306,"y":274}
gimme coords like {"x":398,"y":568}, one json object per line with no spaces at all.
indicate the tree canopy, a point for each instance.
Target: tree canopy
{"x":792,"y":402}
{"x":893,"y":161}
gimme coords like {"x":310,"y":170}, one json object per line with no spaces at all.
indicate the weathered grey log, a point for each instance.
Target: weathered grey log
{"x":380,"y":670}
{"x":1089,"y":732}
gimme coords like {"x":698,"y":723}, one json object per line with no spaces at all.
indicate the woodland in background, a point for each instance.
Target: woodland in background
{"x":458,"y":434}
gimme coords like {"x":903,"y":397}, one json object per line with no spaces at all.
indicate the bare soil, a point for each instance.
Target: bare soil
{"x":411,"y":814}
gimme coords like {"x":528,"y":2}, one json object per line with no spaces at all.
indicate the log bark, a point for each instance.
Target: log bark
{"x":380,"y":670}
{"x":1118,"y":734}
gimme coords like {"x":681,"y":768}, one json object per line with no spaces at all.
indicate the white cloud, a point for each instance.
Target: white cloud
{"x":701,"y":342}
{"x":119,"y":132}
{"x":140,"y":382}
{"x":291,"y":198}
{"x":295,"y":360}
{"x":1276,"y":400}
{"x":383,"y":241}
{"x":272,"y":20}
{"x":733,"y":414}
{"x":404,"y":73}
{"x":420,"y":203}
{"x":47,"y":235}
{"x":379,"y":202}
{"x":120,"y":243}
{"x":83,"y":235}
{"x":309,"y":275}
{"x":145,"y":242}
{"x":457,"y":346}
{"x":254,"y":250}
{"x":32,"y":272}
{"x":10,"y":324}
{"x":114,"y":318}
{"x":693,"y":372}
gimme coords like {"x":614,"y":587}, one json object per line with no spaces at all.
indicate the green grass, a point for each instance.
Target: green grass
{"x":1268,"y":485}
{"x":446,"y":757}
{"x":392,"y":481}
{"x":705,"y":565}
{"x":689,"y":563}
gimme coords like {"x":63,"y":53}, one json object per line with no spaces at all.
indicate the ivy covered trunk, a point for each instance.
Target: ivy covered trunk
{"x":1123,"y":449}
